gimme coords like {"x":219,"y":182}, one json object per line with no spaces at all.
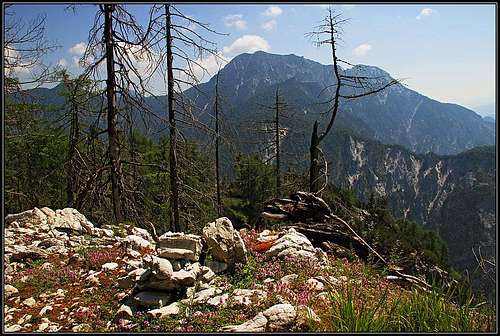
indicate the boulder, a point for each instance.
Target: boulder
{"x":21,"y":252}
{"x":71,"y":219}
{"x":248,"y":296}
{"x":292,"y":245}
{"x":204,"y":295}
{"x":224,"y":242}
{"x":160,"y":267}
{"x":257,"y":324}
{"x":280,"y":317}
{"x":216,"y":266}
{"x":143,"y":233}
{"x":178,"y":245}
{"x":152,"y":299}
{"x":29,"y":218}
{"x":180,"y":279}
{"x":138,"y":243}
{"x":184,"y":278}
{"x":218,"y":300}
{"x":171,"y":309}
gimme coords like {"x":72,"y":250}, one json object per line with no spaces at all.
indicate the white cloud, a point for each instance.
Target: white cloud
{"x":14,"y":58}
{"x":269,"y":25}
{"x":211,"y":64}
{"x":76,"y":61}
{"x":78,"y":49}
{"x":62,"y":63}
{"x":246,"y":43}
{"x":273,"y":11}
{"x":362,"y":49}
{"x":236,"y":21}
{"x":425,"y":12}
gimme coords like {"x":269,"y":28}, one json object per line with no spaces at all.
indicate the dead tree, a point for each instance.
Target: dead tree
{"x":279,"y":106}
{"x":273,"y":131}
{"x":217,"y":161}
{"x":177,"y":29}
{"x":24,"y":47}
{"x":119,"y":41}
{"x":328,"y":32}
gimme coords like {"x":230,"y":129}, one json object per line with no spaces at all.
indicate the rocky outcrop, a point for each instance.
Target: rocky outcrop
{"x":178,"y":245}
{"x":224,"y":242}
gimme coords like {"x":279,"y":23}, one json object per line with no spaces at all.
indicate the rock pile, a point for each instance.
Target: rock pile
{"x":158,"y":282}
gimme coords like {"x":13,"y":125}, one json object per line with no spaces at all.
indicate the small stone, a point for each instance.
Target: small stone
{"x":54,"y":328}
{"x":10,"y":290}
{"x":120,"y":296}
{"x":109,"y":266}
{"x":24,"y":319}
{"x":124,"y":312}
{"x":30,"y":302}
{"x":315,"y":284}
{"x":13,"y":328}
{"x":289,"y":278}
{"x":43,"y":326}
{"x":60,"y":292}
{"x":81,"y":328}
{"x":93,"y":279}
{"x":44,"y":310}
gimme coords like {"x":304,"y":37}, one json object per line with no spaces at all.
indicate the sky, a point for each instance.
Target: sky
{"x":446,"y":52}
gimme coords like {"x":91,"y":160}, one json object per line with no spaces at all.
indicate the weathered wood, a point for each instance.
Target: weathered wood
{"x":311,"y":216}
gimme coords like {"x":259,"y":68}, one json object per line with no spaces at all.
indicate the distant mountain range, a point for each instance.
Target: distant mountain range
{"x":397,"y":115}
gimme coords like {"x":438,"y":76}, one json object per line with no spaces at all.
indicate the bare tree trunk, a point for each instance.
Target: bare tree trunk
{"x":73,"y":138}
{"x":174,"y":188}
{"x":217,"y":175}
{"x":113,"y":142}
{"x":314,"y":168}
{"x":277,"y":131}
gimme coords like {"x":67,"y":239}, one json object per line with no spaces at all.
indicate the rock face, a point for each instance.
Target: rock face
{"x":224,"y":242}
{"x":177,"y":245}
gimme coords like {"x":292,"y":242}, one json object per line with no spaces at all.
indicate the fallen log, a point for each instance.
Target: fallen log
{"x":312,"y":217}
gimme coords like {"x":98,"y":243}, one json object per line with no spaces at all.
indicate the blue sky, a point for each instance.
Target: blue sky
{"x":446,"y":52}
